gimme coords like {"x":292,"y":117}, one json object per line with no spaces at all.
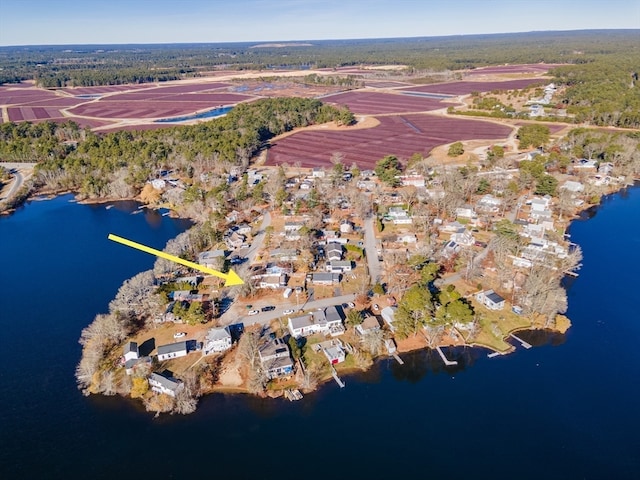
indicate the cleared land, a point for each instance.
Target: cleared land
{"x":401,"y":135}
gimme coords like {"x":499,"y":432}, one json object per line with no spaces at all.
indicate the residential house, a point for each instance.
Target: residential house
{"x":327,"y":321}
{"x":172,"y":350}
{"x":451,"y":227}
{"x":284,"y":254}
{"x":399,"y":216}
{"x":273,"y":281}
{"x":158,"y":184}
{"x":235,"y":240}
{"x":346,"y":226}
{"x":333,"y":251}
{"x":489,"y":204}
{"x":491,"y":300}
{"x":218,"y":340}
{"x":306,"y":185}
{"x":275,"y":358}
{"x":131,"y":351}
{"x":317,"y":172}
{"x":165,"y":384}
{"x":388,"y":315}
{"x":292,"y":230}
{"x":338,"y":266}
{"x":369,"y":325}
{"x":572,"y":186}
{"x":232,"y":216}
{"x":254,"y":177}
{"x":465,"y":212}
{"x":212,"y":258}
{"x":450,"y":249}
{"x":321,"y":278}
{"x":407,"y":238}
{"x":584,"y":165}
{"x":463,"y":237}
{"x":333,"y":350}
{"x":413,"y":180}
{"x":242,"y":229}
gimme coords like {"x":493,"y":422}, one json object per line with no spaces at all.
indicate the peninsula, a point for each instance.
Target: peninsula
{"x":390,"y":210}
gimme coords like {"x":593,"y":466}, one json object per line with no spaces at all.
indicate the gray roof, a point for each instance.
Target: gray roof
{"x":494,"y":297}
{"x":301,"y":321}
{"x":324,"y":277}
{"x":218,"y":334}
{"x":131,"y":347}
{"x":172,"y":348}
{"x":276,"y":348}
{"x":332,"y":313}
{"x":167,"y":382}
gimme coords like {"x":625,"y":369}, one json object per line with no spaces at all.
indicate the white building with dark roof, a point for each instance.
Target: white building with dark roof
{"x":491,"y":300}
{"x":218,"y":340}
{"x":275,"y":358}
{"x":172,"y":350}
{"x":165,"y":384}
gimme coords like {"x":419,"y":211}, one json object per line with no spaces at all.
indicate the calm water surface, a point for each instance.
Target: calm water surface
{"x":567,"y":409}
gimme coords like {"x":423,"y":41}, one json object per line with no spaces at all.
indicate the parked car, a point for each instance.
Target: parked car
{"x":376,"y":306}
{"x":480,"y":244}
{"x":268,"y":308}
{"x":288,"y":311}
{"x":179,"y":334}
{"x":253,"y":312}
{"x":351,"y":305}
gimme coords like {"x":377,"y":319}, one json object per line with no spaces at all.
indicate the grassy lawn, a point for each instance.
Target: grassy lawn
{"x":496,"y":326}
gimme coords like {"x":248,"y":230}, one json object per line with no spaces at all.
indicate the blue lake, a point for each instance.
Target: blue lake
{"x":216,"y":112}
{"x":565,"y":409}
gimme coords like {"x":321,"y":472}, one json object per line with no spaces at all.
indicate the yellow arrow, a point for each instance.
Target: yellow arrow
{"x":230,"y":278}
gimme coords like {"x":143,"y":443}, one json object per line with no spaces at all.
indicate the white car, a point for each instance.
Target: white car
{"x":288,"y":311}
{"x":179,"y":334}
{"x":351,"y":305}
{"x":253,"y":312}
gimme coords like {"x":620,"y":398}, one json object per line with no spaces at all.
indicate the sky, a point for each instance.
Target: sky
{"x":62,"y":22}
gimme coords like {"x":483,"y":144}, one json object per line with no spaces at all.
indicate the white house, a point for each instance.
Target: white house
{"x":407,"y":238}
{"x":173,"y":350}
{"x":165,"y":384}
{"x":327,"y":321}
{"x":333,"y":350}
{"x":242,"y":229}
{"x":465,"y":212}
{"x":369,"y":325}
{"x":273,"y":281}
{"x":333,"y":251}
{"x":572,"y":186}
{"x":317,"y":172}
{"x":388,"y":315}
{"x":463,"y":237}
{"x":489,"y":203}
{"x":212,"y":258}
{"x":274,"y":357}
{"x":218,"y":340}
{"x":338,"y":266}
{"x":235,"y":240}
{"x":322,"y":278}
{"x":346,"y":226}
{"x":412,"y":180}
{"x":491,"y":300}
{"x":131,"y":351}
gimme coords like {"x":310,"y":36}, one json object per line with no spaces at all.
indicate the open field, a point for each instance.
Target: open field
{"x":401,"y":135}
{"x":372,"y":103}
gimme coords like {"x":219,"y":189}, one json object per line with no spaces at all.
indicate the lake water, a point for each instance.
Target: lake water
{"x":566,"y":409}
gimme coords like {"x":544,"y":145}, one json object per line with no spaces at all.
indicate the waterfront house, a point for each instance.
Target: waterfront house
{"x":131,"y":351}
{"x":275,"y":358}
{"x":212,"y":258}
{"x":218,"y":340}
{"x":390,"y":345}
{"x":491,"y":300}
{"x":166,"y":384}
{"x":369,"y":325}
{"x":327,"y":321}
{"x":235,"y":240}
{"x":334,"y":351}
{"x":172,"y":350}
{"x":572,"y":186}
{"x":388,"y":315}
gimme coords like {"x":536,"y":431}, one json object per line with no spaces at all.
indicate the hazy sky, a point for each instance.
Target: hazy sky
{"x":52,"y":22}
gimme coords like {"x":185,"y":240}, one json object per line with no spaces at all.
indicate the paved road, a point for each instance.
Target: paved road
{"x":17,"y":169}
{"x":264,"y":318}
{"x":375,"y":269}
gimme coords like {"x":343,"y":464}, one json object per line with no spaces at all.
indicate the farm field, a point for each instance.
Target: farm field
{"x":400,"y":135}
{"x":466,"y":87}
{"x":371,"y":103}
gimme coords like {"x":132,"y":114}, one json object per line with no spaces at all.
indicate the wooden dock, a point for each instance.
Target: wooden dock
{"x":293,"y":395}
{"x":444,"y":359}
{"x":336,"y":377}
{"x":522,"y":342}
{"x":398,"y":359}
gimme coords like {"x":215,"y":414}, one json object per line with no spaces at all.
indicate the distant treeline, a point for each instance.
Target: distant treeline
{"x":61,"y":65}
{"x":95,"y":164}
